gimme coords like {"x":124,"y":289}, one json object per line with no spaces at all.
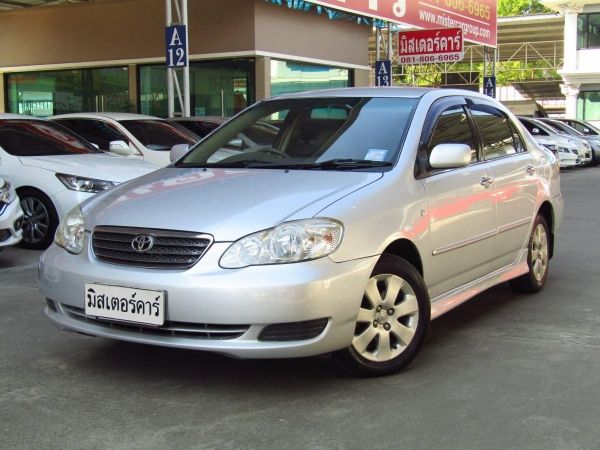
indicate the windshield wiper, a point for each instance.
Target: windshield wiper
{"x":254,"y":163}
{"x":336,"y":164}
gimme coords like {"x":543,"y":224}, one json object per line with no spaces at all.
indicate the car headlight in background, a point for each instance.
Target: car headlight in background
{"x":70,"y":232}
{"x":290,"y":242}
{"x":6,"y":195}
{"x":551,"y":147}
{"x":82,"y":184}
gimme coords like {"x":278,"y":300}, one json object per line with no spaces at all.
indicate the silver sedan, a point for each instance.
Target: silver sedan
{"x":369,"y":213}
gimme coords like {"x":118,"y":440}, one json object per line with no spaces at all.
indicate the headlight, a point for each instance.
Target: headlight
{"x":550,"y":147}
{"x":289,"y":242}
{"x":70,"y":233}
{"x":6,"y":195}
{"x":82,"y":184}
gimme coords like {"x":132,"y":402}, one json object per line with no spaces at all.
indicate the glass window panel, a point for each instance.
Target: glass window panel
{"x":44,"y":94}
{"x":593,"y":29}
{"x":217,"y":88}
{"x":288,"y":77}
{"x":589,"y":105}
{"x":495,"y":130}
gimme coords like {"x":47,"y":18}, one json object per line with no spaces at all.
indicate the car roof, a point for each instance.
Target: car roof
{"x":6,"y":116}
{"x":216,"y":119}
{"x":399,"y":92}
{"x":106,"y":115}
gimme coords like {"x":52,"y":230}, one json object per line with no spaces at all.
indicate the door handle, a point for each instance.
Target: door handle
{"x":486,"y":181}
{"x":530,"y":169}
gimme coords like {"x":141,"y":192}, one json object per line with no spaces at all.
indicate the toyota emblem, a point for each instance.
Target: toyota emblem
{"x":142,"y":243}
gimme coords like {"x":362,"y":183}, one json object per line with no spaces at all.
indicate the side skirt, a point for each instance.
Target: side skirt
{"x":450,"y":300}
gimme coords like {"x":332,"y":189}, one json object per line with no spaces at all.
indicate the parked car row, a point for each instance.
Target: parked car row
{"x":52,"y":169}
{"x":572,"y":147}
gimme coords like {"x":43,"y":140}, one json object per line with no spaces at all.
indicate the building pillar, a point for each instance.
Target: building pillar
{"x":133,"y":88}
{"x":263,"y":78}
{"x":361,"y":77}
{"x":571,"y":92}
{"x":570,"y":11}
{"x":2,"y":94}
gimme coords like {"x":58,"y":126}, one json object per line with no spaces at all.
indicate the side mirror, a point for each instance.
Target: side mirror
{"x":586,"y":131}
{"x":448,"y":156}
{"x":177,"y":151}
{"x":535,"y":131}
{"x":120,"y":148}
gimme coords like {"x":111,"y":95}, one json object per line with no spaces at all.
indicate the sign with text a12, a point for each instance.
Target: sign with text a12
{"x":176,"y":45}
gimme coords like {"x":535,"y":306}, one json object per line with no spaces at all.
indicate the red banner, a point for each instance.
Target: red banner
{"x":476,"y":18}
{"x":427,"y":46}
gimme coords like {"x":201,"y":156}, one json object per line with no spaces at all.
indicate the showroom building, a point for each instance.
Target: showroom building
{"x":108,"y":55}
{"x":580,"y":71}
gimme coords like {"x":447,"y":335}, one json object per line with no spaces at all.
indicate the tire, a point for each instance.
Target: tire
{"x":39,"y":221}
{"x":538,"y":258}
{"x":391,"y":324}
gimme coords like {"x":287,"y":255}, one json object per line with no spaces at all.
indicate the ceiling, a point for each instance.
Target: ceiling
{"x":10,"y":5}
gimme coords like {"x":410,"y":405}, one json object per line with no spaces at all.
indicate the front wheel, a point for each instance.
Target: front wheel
{"x":392,"y":320}
{"x":538,"y":258}
{"x":39,"y":219}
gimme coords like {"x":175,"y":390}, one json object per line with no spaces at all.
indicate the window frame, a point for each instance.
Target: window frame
{"x":422,"y":169}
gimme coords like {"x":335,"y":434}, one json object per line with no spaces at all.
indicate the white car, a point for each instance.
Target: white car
{"x":11,"y":215}
{"x":566,"y":158}
{"x":53,"y":170}
{"x":134,"y":135}
{"x":564,"y":144}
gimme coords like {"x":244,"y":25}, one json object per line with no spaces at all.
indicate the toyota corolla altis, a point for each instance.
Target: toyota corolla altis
{"x":368,"y":213}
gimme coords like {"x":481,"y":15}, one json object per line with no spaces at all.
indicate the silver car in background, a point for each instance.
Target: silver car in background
{"x":369,"y":213}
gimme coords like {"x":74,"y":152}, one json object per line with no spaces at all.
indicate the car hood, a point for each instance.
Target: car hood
{"x":226,"y":203}
{"x":103,"y":166}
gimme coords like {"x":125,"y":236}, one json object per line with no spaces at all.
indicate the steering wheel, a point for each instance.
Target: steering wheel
{"x":272,"y":151}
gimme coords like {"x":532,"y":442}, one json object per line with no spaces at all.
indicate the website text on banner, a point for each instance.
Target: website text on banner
{"x":476,"y":18}
{"x":430,"y":46}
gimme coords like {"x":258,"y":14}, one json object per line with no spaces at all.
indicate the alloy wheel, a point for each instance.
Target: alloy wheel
{"x":539,"y":252}
{"x":387,"y":319}
{"x":36,"y":220}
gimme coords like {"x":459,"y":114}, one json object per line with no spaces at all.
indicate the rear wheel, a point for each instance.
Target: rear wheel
{"x":39,"y":219}
{"x":538,"y":258}
{"x":392,"y":320}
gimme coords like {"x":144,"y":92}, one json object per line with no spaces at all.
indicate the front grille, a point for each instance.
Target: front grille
{"x":293,"y":331}
{"x":170,"y":329}
{"x":171,"y":249}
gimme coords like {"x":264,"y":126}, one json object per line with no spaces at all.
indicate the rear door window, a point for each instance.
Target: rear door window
{"x":97,"y":132}
{"x":497,"y":135}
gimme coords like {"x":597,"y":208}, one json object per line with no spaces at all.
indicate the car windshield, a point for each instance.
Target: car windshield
{"x":22,"y":137}
{"x":309,"y":133}
{"x":159,"y":134}
{"x":564,"y":128}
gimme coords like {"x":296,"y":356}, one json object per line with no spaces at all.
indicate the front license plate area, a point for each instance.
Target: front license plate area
{"x":126,"y":304}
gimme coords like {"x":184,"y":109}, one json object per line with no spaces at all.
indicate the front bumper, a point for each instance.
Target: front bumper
{"x":11,"y":217}
{"x":207,"y":297}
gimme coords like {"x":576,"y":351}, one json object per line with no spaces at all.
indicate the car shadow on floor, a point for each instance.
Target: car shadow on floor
{"x":135,"y":362}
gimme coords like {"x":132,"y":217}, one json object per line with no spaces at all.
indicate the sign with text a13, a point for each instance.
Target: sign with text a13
{"x":430,"y":46}
{"x":176,"y":45}
{"x":383,"y":72}
{"x":477,"y":18}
